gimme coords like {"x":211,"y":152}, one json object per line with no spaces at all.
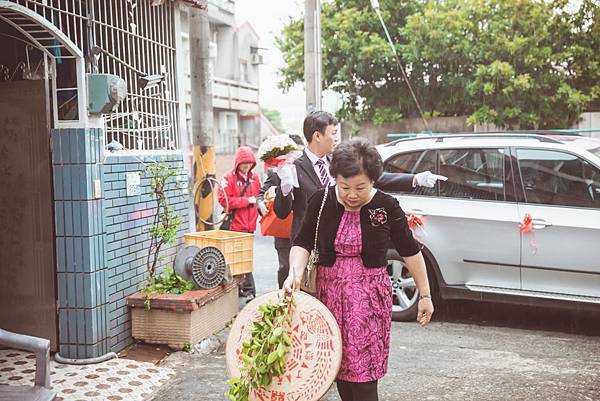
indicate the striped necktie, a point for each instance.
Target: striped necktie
{"x":323,"y":175}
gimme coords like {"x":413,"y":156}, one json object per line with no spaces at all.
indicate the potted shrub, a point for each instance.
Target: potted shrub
{"x":170,"y":310}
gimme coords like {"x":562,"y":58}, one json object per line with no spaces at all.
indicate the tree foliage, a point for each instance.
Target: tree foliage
{"x":514,"y":63}
{"x":274,"y":117}
{"x":584,"y":48}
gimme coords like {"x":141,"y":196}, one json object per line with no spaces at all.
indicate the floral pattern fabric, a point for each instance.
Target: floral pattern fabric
{"x":360,"y":300}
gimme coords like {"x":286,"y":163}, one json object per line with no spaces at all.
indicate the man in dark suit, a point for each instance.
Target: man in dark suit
{"x":312,"y":171}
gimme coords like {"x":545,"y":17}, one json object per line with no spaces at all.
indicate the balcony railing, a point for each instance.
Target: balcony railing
{"x":221,"y":12}
{"x":229,"y":95}
{"x":235,"y":95}
{"x":227,"y":5}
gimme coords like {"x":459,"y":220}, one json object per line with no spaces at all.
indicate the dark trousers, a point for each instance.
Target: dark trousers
{"x":282,"y":246}
{"x":248,"y":289}
{"x":350,"y":391}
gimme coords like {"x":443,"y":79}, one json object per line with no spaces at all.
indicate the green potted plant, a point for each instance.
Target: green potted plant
{"x":170,"y":310}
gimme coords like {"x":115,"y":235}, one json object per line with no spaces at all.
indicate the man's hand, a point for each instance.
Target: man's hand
{"x":427,"y":179}
{"x":262,"y":208}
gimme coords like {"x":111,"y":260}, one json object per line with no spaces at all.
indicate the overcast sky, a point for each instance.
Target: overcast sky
{"x":268,"y":18}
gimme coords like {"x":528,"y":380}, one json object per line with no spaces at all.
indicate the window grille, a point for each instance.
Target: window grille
{"x":142,"y":40}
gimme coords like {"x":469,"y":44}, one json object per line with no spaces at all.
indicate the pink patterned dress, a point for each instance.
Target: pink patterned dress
{"x":360,"y":299}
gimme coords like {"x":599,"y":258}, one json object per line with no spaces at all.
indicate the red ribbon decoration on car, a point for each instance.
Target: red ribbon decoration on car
{"x":527,"y":227}
{"x":414,"y":222}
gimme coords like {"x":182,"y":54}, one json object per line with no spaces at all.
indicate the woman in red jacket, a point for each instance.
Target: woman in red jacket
{"x":241,"y":186}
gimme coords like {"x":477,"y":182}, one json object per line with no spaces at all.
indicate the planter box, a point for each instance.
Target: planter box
{"x":177,"y":320}
{"x":238,"y":248}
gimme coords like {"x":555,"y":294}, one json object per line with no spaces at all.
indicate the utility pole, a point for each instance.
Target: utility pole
{"x":312,"y":54}
{"x":202,"y":117}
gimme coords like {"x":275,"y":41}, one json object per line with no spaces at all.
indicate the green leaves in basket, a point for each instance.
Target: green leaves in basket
{"x":263,"y":356}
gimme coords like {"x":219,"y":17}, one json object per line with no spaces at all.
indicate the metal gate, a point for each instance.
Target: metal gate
{"x":27,"y":266}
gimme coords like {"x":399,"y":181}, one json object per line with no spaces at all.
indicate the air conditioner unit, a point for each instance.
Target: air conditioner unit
{"x":256,"y":58}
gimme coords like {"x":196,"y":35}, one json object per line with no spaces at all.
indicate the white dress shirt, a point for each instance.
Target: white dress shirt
{"x":314,"y":159}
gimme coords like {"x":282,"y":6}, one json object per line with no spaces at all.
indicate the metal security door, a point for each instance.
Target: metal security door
{"x":27,"y":262}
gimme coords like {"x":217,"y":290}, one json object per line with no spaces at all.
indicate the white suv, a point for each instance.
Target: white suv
{"x":475,"y":232}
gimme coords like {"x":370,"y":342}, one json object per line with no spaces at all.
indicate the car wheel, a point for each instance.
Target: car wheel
{"x":405,"y":295}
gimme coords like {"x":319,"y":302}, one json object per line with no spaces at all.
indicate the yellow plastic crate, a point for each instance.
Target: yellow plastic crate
{"x":238,"y":248}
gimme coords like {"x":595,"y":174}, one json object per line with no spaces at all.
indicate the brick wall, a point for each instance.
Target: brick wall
{"x":126,"y":221}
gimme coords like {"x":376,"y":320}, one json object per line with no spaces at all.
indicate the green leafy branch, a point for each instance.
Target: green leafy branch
{"x":163,"y":231}
{"x":166,"y":222}
{"x":264,"y":354}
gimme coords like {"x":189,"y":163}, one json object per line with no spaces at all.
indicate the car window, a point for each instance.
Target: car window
{"x":558,"y":178}
{"x":473,"y":174}
{"x":411,"y":163}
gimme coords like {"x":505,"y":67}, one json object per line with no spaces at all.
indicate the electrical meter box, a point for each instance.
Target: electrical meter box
{"x":105,"y":92}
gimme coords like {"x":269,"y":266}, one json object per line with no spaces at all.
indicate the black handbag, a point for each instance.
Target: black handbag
{"x":226,"y":224}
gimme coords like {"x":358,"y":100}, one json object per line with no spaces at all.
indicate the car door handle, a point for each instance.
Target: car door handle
{"x":417,"y":212}
{"x":538,"y":224}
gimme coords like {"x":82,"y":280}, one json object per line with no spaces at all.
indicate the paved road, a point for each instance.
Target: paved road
{"x":470,"y":352}
{"x":446,"y":361}
{"x":265,"y":264}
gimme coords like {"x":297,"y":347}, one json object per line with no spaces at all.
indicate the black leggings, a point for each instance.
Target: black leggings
{"x":350,"y":391}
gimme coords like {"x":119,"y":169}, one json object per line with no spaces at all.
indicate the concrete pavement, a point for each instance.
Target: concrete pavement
{"x":445,"y":361}
{"x":468,"y":360}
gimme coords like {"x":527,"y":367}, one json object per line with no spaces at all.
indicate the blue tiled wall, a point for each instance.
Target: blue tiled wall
{"x":102,"y":239}
{"x":81,"y":265}
{"x":126,"y":220}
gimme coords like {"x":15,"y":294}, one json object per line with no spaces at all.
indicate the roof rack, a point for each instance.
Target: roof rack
{"x":502,"y":134}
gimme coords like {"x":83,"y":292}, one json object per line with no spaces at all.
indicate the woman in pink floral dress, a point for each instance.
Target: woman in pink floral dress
{"x":357,"y":225}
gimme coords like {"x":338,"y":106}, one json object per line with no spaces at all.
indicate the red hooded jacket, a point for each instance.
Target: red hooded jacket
{"x":233,"y":183}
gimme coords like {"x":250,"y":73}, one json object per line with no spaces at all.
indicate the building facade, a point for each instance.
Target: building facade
{"x":235,"y":59}
{"x":76,"y":202}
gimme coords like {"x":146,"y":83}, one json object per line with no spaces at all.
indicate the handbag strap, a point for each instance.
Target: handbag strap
{"x":246,"y":185}
{"x":319,"y":217}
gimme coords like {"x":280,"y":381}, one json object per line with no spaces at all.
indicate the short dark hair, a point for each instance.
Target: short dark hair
{"x":297,"y":139}
{"x":355,"y":157}
{"x":317,"y":121}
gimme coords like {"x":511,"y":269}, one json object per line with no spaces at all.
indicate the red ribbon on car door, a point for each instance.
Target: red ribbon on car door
{"x":527,"y":224}
{"x":413,"y":223}
{"x":527,"y":227}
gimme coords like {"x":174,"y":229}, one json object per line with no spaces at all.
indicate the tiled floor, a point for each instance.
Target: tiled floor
{"x":116,"y":379}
